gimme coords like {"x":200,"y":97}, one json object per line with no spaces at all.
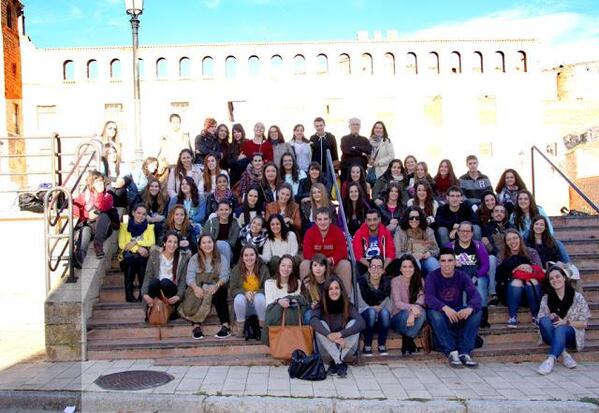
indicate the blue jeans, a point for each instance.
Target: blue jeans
{"x":460,"y":336}
{"x":514,"y":297}
{"x":376,"y":322}
{"x":492,"y":271}
{"x":428,"y":265}
{"x":559,"y":338}
{"x":482,"y":286}
{"x":400,"y":320}
{"x":563,"y":254}
{"x":307,"y":316}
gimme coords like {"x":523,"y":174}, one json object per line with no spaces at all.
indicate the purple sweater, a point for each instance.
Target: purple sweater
{"x":481,"y":254}
{"x":440,"y":291}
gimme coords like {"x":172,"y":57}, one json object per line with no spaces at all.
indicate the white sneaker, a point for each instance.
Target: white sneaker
{"x":568,"y":360}
{"x":546,"y":367}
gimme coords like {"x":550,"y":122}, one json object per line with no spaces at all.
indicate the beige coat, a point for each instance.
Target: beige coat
{"x":384,"y":155}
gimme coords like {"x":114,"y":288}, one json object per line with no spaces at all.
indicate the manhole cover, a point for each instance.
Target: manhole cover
{"x":133,"y":380}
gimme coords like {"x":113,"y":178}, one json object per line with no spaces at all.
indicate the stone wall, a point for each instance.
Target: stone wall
{"x":582,"y":164}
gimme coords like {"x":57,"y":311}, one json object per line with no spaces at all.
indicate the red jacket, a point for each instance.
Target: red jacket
{"x":331,"y":246}
{"x":81,"y":207}
{"x":360,"y":242}
{"x":249,"y":148}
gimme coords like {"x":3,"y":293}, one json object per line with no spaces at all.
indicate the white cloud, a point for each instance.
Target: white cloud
{"x":211,"y":4}
{"x":565,"y":37}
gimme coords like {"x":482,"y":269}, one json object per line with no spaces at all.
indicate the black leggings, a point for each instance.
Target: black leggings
{"x":168,"y":288}
{"x":135,"y":264}
{"x":219,"y":301}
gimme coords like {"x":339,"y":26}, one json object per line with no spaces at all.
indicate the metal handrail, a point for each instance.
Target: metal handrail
{"x":51,"y":204}
{"x":346,"y":233}
{"x":559,"y":171}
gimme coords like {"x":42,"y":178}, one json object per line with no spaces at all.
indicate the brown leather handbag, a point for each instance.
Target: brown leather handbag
{"x":160,"y":311}
{"x":426,"y":337}
{"x":284,"y":340}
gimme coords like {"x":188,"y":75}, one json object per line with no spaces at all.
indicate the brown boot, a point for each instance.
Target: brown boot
{"x":99,"y":249}
{"x":238,"y":329}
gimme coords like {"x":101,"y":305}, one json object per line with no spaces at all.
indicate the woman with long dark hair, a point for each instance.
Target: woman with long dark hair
{"x":549,"y":248}
{"x":508,"y":186}
{"x":445,"y":179}
{"x":407,"y":298}
{"x":184,"y":168}
{"x":178,"y":222}
{"x":254,"y":234}
{"x":394,"y":173}
{"x":305,"y":185}
{"x":237,"y":161}
{"x":206,"y":279}
{"x":301,"y":147}
{"x":223,"y":137}
{"x":281,"y":241}
{"x":252,"y":205}
{"x":485,"y":210}
{"x":279,"y":146}
{"x":156,"y":200}
{"x":382,"y":149}
{"x":425,"y":200}
{"x":211,"y":171}
{"x":220,"y":193}
{"x":290,"y":172}
{"x":392,"y":209}
{"x":355,"y":206}
{"x":286,"y":207}
{"x":358,"y":175}
{"x":337,"y":324}
{"x":189,"y":197}
{"x":253,"y":174}
{"x":415,"y":237}
{"x":563,"y":317}
{"x":525,"y":210}
{"x":270,"y":182}
{"x":313,"y":283}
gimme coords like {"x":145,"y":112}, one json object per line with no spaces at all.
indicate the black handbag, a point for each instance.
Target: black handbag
{"x":306,"y":367}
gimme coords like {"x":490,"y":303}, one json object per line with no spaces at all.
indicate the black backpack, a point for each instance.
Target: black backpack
{"x":251,"y":328}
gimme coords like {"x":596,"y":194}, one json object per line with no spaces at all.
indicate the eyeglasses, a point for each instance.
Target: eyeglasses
{"x":414,"y":218}
{"x":465,"y":230}
{"x":376,"y":266}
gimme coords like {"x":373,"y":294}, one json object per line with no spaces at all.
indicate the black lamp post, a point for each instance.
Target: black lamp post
{"x":134,"y":9}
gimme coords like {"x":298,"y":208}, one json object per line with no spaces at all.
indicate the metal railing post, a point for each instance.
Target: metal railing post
{"x":532,"y":167}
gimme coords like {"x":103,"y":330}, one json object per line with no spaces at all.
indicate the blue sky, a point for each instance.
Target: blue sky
{"x":64,"y":23}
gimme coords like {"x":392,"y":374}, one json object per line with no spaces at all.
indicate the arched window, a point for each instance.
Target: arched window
{"x":231,"y":67}
{"x":254,"y":66}
{"x":411,"y":63}
{"x":115,"y":69}
{"x":68,"y":70}
{"x":299,"y":65}
{"x":208,"y":66}
{"x":366,"y":64}
{"x":477,"y":62}
{"x":433,"y":62}
{"x":276,"y":65}
{"x":92,"y":70}
{"x":499,"y":62}
{"x":456,"y":62}
{"x":161,"y":68}
{"x":184,"y":67}
{"x":522,"y":65}
{"x":344,"y":64}
{"x":322,"y":64}
{"x":141,"y":66}
{"x":389,"y":64}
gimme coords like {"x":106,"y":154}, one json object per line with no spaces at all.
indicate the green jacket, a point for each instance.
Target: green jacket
{"x":153,"y":271}
{"x":236,"y":280}
{"x":212,"y":225}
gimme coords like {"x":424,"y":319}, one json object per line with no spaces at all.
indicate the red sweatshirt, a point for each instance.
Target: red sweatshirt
{"x":386,"y":245}
{"x":249,"y":148}
{"x":331,"y":246}
{"x":82,"y":206}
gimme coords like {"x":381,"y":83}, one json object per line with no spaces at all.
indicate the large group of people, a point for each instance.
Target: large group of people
{"x":257,"y":219}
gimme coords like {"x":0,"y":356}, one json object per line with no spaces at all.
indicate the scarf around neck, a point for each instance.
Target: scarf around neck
{"x":137,"y":229}
{"x":561,"y":307}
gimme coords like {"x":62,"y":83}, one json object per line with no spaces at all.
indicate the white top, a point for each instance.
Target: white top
{"x":272,"y":293}
{"x":295,"y":185}
{"x":303,"y":154}
{"x":278,"y":248}
{"x":431,"y":218}
{"x":174,"y":182}
{"x":166,"y":268}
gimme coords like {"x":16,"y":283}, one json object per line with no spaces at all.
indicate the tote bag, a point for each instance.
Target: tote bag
{"x":285,"y":339}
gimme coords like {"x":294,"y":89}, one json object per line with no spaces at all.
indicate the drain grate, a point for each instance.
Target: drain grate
{"x":133,"y":380}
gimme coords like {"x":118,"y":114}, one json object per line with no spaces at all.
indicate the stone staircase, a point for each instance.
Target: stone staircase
{"x":117,"y":330}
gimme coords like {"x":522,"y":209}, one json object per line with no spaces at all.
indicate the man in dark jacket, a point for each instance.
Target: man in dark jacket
{"x":450,"y":215}
{"x":474,"y":183}
{"x":320,"y":142}
{"x":354,"y":149}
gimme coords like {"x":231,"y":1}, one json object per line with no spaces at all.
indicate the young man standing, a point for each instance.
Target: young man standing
{"x":372,"y":239}
{"x":319,"y":143}
{"x":474,"y":183}
{"x":327,"y":239}
{"x":454,"y":325}
{"x":355,"y":149}
{"x":174,"y":141}
{"x":450,"y":215}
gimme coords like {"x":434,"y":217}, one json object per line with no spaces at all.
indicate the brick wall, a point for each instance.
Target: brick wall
{"x":580,"y":166}
{"x":13,"y":87}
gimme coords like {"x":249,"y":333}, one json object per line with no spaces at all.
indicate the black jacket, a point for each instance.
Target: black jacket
{"x":319,"y":148}
{"x":447,"y":218}
{"x":353,"y":150}
{"x":205,"y":144}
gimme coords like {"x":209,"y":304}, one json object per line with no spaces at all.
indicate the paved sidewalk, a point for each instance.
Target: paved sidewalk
{"x":397,"y":381}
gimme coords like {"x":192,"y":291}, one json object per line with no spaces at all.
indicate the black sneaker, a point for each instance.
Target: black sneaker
{"x":493,"y":301}
{"x":197,"y":333}
{"x":224,"y":332}
{"x":468,"y":362}
{"x":333,"y":369}
{"x":367,"y":351}
{"x":383,"y":351}
{"x":342,"y":370}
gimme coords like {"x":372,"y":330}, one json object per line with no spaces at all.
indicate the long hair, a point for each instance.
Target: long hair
{"x":388,"y":191}
{"x":236,"y":145}
{"x":286,"y":185}
{"x":546,"y":237}
{"x":284,"y":228}
{"x":415,"y":288}
{"x":501,"y":183}
{"x":144,"y":166}
{"x":214,"y":256}
{"x":195,"y":196}
{"x":293,"y":282}
{"x":92,"y":176}
{"x":312,"y":284}
{"x":484,"y":213}
{"x":179,"y":168}
{"x":246,"y":206}
{"x":450,"y":173}
{"x":429,"y":201}
{"x":177,"y":251}
{"x":327,"y":303}
{"x":224,"y":142}
{"x":281,"y":138}
{"x":277,"y":178}
{"x":361,"y":180}
{"x":105,"y":139}
{"x":108,"y":147}
{"x":547,"y":284}
{"x":361,"y":204}
{"x":161,"y":198}
{"x":385,"y":133}
{"x":410,"y":157}
{"x":304,"y":139}
{"x":170,"y":219}
{"x":388,"y":175}
{"x":294,"y":168}
{"x":242,"y":268}
{"x":207,"y":175}
{"x":324,"y":198}
{"x":519,"y":214}
{"x":404,"y":223}
{"x":522,"y":250}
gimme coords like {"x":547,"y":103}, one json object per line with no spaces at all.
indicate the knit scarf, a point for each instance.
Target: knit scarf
{"x":254,"y":175}
{"x":220,"y":195}
{"x":136,"y":229}
{"x":375,"y":142}
{"x":560,"y":307}
{"x":247,"y":238}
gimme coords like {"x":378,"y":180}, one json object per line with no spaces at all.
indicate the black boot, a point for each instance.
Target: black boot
{"x":484,"y":320}
{"x":129,"y":286}
{"x":140,"y":280}
{"x":405,"y":345}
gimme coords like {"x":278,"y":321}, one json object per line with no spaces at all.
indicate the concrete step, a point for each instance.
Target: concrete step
{"x":562,"y":221}
{"x":499,"y":314}
{"x":577,"y":233}
{"x":581,"y":246}
{"x":591,"y":292}
{"x":585,"y":260}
